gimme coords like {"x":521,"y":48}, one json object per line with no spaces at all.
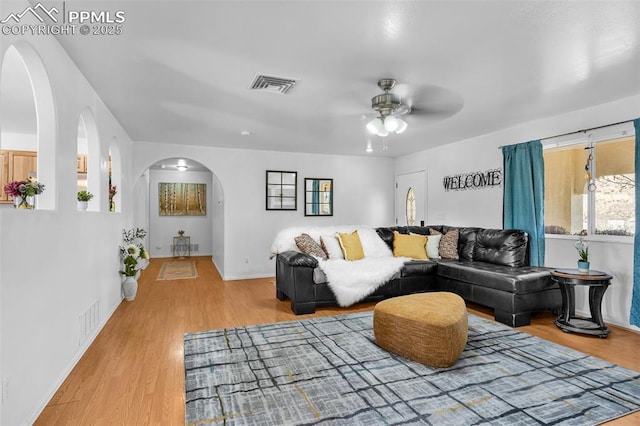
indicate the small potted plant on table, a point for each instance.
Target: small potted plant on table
{"x":583,"y":252}
{"x":83,"y":199}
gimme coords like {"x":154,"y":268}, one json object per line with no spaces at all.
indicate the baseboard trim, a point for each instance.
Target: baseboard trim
{"x":65,"y":373}
{"x":169,"y":256}
{"x":217,"y":267}
{"x":629,"y":327}
{"x":247,"y":277}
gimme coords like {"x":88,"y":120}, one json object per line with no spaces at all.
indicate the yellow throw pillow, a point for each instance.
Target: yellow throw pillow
{"x":351,"y":245}
{"x":413,"y":246}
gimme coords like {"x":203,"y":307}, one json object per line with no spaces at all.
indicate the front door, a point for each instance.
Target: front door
{"x":411,"y":198}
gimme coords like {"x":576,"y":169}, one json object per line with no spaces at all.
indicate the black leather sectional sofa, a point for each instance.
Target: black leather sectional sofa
{"x":492,"y":270}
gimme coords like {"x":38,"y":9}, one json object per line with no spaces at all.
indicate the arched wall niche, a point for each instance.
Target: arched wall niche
{"x":46,"y":129}
{"x":89,"y":141}
{"x":115,"y":175}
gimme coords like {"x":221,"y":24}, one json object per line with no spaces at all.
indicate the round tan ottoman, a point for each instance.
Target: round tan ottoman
{"x":430,"y":328}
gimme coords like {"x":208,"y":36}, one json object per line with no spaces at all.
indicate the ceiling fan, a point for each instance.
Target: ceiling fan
{"x":439,"y":103}
{"x":389,"y":106}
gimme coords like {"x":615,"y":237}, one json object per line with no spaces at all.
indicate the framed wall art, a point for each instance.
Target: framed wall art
{"x":318,"y":197}
{"x":282,"y":190}
{"x":182,"y":199}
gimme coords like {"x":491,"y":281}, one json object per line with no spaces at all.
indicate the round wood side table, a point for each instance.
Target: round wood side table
{"x":598,"y":282}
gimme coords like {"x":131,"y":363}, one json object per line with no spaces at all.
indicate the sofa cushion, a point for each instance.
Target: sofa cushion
{"x":309,"y":246}
{"x":421,"y":230}
{"x":433,"y":246}
{"x":448,"y":247}
{"x":351,"y":246}
{"x":331,"y":246}
{"x":467,"y":242}
{"x":386,"y":234}
{"x":419,"y":268}
{"x":413,"y":246}
{"x":502,"y":247}
{"x":525,"y":279}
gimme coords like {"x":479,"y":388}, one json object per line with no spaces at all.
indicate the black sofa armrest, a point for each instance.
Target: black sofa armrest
{"x":294,"y":279}
{"x":294,"y":258}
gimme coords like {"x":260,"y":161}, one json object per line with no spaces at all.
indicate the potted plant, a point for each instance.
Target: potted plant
{"x":83,"y":199}
{"x":134,"y":258}
{"x":24,"y":192}
{"x":583,"y":253}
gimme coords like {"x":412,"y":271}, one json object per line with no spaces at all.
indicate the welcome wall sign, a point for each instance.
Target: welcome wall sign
{"x":473,"y":180}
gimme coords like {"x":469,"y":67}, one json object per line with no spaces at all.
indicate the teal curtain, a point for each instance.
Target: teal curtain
{"x":634,"y":316}
{"x":523,"y":201}
{"x":315,"y":197}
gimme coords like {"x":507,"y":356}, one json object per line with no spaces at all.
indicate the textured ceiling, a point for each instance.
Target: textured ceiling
{"x":180,"y":71}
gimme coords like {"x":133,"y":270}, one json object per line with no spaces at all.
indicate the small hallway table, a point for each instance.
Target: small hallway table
{"x":598,"y":282}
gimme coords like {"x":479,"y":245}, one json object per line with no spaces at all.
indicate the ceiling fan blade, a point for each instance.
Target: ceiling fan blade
{"x":436,"y":101}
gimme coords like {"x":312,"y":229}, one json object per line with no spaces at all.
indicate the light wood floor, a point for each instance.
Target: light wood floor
{"x":133,"y":373}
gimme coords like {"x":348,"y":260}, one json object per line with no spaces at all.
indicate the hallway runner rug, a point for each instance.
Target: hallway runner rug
{"x":330,"y":371}
{"x":178,"y":270}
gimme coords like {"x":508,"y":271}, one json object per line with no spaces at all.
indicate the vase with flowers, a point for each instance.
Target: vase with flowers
{"x":113,"y":190}
{"x":134,"y":258}
{"x":24,"y":192}
{"x":583,"y":253}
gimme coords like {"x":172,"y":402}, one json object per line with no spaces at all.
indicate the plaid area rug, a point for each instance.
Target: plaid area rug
{"x":329,"y":370}
{"x":179,"y":270}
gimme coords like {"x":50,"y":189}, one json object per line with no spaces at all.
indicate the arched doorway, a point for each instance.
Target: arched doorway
{"x":175,"y":203}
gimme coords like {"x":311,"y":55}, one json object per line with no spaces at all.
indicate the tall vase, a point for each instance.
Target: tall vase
{"x":130,"y":288}
{"x":24,"y":202}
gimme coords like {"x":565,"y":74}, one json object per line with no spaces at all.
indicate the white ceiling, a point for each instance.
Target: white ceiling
{"x":180,"y":71}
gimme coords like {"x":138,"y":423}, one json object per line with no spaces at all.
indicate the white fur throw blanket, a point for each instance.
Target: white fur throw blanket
{"x":352,"y":281}
{"x":372,"y":244}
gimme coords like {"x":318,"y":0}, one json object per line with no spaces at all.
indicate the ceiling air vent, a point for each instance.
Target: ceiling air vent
{"x":272,"y":84}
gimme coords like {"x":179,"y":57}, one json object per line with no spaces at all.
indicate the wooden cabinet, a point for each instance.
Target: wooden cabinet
{"x":16,"y":165}
{"x":4,"y":175}
{"x":82,"y":163}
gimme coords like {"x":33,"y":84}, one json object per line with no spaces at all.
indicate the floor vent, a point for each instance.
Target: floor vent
{"x":88,"y":322}
{"x":272,"y":84}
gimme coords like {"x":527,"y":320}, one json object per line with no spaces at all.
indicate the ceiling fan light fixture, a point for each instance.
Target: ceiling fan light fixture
{"x":391,"y":123}
{"x":402,"y":126}
{"x":375,"y":125}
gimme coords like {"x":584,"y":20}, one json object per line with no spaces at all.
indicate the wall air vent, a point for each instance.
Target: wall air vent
{"x":272,"y":84}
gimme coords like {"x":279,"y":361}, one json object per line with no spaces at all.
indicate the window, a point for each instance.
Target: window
{"x":411,"y":207}
{"x":607,"y":206}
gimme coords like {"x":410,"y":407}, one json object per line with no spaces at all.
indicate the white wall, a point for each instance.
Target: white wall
{"x":483,"y":207}
{"x":56,"y":263}
{"x":363,"y":194}
{"x":19,"y":141}
{"x":162,"y":229}
{"x":217,"y":211}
